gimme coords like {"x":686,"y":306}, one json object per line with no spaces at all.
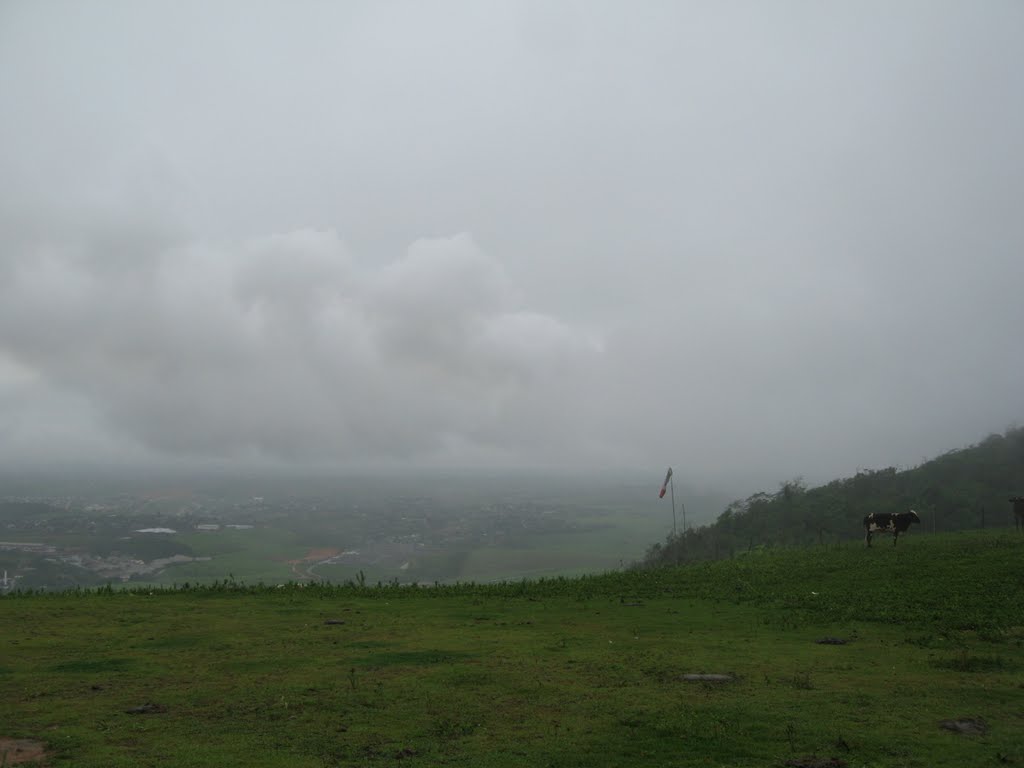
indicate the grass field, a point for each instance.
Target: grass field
{"x":258,"y":554}
{"x":558,"y":672}
{"x":605,"y":540}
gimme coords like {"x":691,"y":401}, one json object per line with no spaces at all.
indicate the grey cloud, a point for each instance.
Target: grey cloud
{"x":281,"y":347}
{"x":749,"y":240}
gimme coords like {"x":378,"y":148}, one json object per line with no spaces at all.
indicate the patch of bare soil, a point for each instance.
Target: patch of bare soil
{"x":313,"y":555}
{"x":707,"y":678}
{"x":149,"y":708}
{"x":21,"y":751}
{"x":972,"y":726}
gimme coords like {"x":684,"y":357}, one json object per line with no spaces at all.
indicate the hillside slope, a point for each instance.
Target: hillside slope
{"x":962,"y":489}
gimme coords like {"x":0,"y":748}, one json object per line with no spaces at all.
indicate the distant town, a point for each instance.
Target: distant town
{"x":69,"y":541}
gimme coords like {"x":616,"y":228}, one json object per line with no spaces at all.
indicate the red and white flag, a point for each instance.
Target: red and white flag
{"x":664,"y":486}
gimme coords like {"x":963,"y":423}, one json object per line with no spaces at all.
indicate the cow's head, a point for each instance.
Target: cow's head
{"x":913,"y":516}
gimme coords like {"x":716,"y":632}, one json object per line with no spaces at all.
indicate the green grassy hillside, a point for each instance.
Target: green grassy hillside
{"x":562,"y":672}
{"x":963,"y":489}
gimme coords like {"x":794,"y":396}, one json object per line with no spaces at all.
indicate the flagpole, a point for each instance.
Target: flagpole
{"x":670,"y":484}
{"x":672,"y":489}
{"x":675,"y":535}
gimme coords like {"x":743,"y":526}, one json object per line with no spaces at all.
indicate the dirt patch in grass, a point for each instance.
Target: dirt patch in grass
{"x":149,"y":708}
{"x":321,"y":553}
{"x":971,"y":726}
{"x":21,"y":751}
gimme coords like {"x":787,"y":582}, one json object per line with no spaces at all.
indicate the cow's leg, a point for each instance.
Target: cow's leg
{"x":895,"y":536}
{"x":867,"y":538}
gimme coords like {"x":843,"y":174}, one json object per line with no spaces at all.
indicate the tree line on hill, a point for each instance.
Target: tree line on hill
{"x":965,"y":488}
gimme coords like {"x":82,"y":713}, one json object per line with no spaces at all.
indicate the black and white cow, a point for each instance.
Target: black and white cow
{"x":886,"y":521}
{"x":1018,"y":511}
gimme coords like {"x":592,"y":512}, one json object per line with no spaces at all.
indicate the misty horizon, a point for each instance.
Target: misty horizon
{"x":76,"y":478}
{"x":751,"y":242}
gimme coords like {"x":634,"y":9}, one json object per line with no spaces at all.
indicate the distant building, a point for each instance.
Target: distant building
{"x":208,"y":527}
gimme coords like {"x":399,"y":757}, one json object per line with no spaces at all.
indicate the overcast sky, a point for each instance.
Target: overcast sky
{"x":751,"y":240}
